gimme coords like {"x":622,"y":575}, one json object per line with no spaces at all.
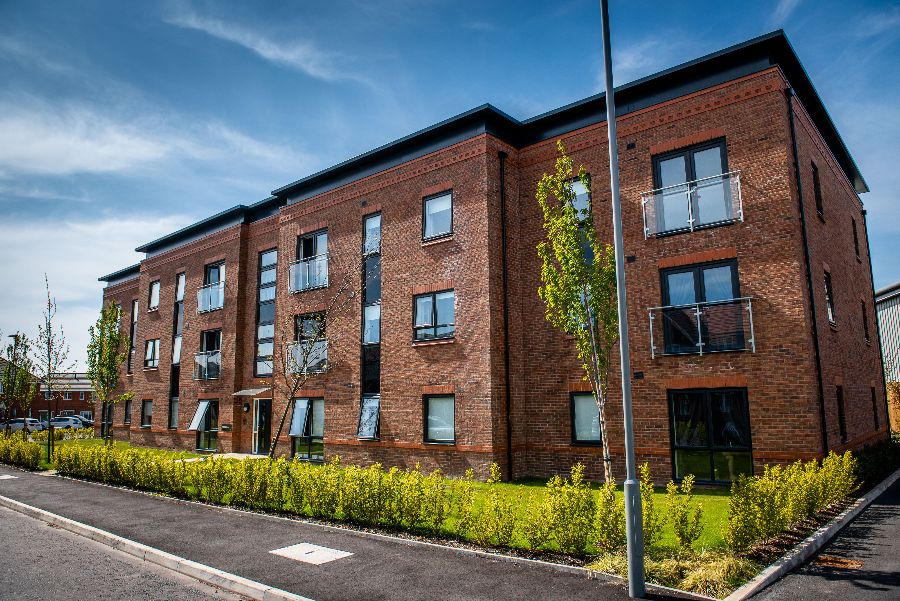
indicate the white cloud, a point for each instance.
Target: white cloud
{"x":642,"y":58}
{"x":73,"y":254}
{"x":783,"y":11}
{"x":876,"y":23}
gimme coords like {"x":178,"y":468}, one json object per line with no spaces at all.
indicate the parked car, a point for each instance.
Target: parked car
{"x":18,"y":423}
{"x":85,"y":422}
{"x":66,"y":422}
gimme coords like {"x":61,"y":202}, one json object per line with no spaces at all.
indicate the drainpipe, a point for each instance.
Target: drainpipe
{"x":887,"y":413}
{"x":809,"y":277}
{"x":506,"y":376}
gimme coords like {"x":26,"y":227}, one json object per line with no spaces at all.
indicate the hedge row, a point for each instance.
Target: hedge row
{"x":17,"y":451}
{"x":63,"y":434}
{"x":764,"y":506}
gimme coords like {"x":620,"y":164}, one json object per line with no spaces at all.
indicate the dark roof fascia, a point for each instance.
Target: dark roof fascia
{"x":122,"y":274}
{"x":887,"y":292}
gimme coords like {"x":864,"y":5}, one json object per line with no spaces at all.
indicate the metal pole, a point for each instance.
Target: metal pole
{"x":633,"y":519}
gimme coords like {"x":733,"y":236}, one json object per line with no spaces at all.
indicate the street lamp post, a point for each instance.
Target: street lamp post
{"x":633,"y":519}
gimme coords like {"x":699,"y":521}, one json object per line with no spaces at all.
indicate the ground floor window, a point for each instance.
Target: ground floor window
{"x":206,"y":424}
{"x":710,"y":432}
{"x":585,"y":419}
{"x":173,"y":413}
{"x":440,"y":419}
{"x":308,"y":430}
{"x":146,"y":413}
{"x":369,"y":417}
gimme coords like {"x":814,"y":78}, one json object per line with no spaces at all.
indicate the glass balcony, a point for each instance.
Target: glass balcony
{"x":310,"y":273}
{"x":308,"y":356}
{"x":701,"y":203}
{"x":207,"y":365}
{"x":702,"y":328}
{"x":211,"y":297}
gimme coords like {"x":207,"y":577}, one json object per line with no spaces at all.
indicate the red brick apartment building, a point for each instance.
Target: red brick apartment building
{"x":750,"y":292}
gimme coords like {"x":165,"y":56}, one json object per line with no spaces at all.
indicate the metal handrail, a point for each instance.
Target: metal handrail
{"x":203,"y":365}
{"x":205,"y":289}
{"x":317,"y":349}
{"x":689,"y":188}
{"x":308,"y":261}
{"x":698,"y":313}
{"x":688,"y":183}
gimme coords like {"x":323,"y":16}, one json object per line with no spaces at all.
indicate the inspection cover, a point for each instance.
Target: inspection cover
{"x":309,"y":553}
{"x":7,"y":477}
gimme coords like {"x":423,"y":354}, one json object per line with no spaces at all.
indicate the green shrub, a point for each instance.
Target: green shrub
{"x":535,"y":524}
{"x":651,"y":519}
{"x":496,"y":521}
{"x":464,"y":501}
{"x":610,"y":522}
{"x":686,"y":520}
{"x":571,"y":508}
{"x":17,"y":451}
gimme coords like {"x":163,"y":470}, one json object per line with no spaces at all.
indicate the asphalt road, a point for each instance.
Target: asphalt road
{"x":861,"y":564}
{"x":241,"y":543}
{"x":41,"y":563}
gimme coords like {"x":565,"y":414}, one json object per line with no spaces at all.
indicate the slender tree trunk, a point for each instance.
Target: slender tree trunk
{"x":599,"y":392}
{"x":280,"y":429}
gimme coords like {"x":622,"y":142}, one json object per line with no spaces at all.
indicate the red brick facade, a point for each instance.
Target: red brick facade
{"x":751,"y":113}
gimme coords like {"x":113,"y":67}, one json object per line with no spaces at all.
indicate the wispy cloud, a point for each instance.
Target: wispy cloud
{"x":480,"y":25}
{"x":877,"y":23}
{"x":782,"y":12}
{"x":644,"y":57}
{"x":302,"y":55}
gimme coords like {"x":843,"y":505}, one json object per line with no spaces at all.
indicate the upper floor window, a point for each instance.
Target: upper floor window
{"x":437,"y":216}
{"x":817,"y":190}
{"x":582,"y":202}
{"x":585,"y":419}
{"x":701,"y":309}
{"x":372,"y":234}
{"x":67,"y":396}
{"x":434,"y":315}
{"x":829,"y":298}
{"x":865,"y":320}
{"x":309,"y":353}
{"x":693,"y":189}
{"x":311,"y":268}
{"x":855,"y":237}
{"x":132,"y":332}
{"x":179,"y":287}
{"x":151,"y":354}
{"x":212,"y":295}
{"x":207,"y":363}
{"x":154,"y":296}
{"x":265,"y":315}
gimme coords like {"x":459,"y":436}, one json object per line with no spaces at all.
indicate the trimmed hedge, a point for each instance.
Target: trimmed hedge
{"x":16,"y":451}
{"x":63,"y":434}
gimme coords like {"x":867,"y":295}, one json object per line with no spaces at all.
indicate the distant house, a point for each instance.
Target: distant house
{"x":73,"y":395}
{"x":887,"y":306}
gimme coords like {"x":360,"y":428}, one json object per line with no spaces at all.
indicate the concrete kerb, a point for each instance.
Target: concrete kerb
{"x":811,"y":544}
{"x":218,"y":578}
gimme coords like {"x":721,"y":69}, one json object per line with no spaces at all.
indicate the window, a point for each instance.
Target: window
{"x":310,"y":350}
{"x":434,"y":315}
{"x":875,"y":408}
{"x":693,"y":188}
{"x":80,"y":396}
{"x":307,"y":430}
{"x":371,"y":369}
{"x":817,"y":190}
{"x":132,"y":333}
{"x":206,"y":424}
{"x":585,"y":419}
{"x":865,"y":320}
{"x":146,"y":413}
{"x":437,"y":216}
{"x":265,"y":314}
{"x":696,"y":310}
{"x":372,"y":234}
{"x":153,"y":304}
{"x":173,"y":413}
{"x":47,"y":395}
{"x":829,"y":299}
{"x":127,"y":419}
{"x":842,"y":416}
{"x":439,"y":419}
{"x":582,"y":199}
{"x":855,"y":238}
{"x":710,"y":432}
{"x":67,"y":396}
{"x":178,"y":319}
{"x":207,"y":362}
{"x":311,"y":269}
{"x":369,"y":417}
{"x":372,"y":324}
{"x":151,"y":354}
{"x":211,"y":296}
{"x":87,"y":415}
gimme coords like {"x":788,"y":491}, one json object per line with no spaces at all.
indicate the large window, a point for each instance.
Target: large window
{"x":146,"y":413}
{"x":265,"y":314}
{"x":434,"y":315}
{"x":440,"y":419}
{"x":309,"y":353}
{"x":311,"y":268}
{"x":369,"y":415}
{"x":207,"y":362}
{"x":308,"y":429}
{"x":692,"y":188}
{"x":437,"y":216}
{"x":173,"y":413}
{"x":178,"y":319}
{"x":829,"y":298}
{"x":153,"y":303}
{"x":585,"y":419}
{"x":151,"y":354}
{"x":206,"y":423}
{"x":696,"y":309}
{"x":132,"y":332}
{"x":710,"y":431}
{"x":211,"y":296}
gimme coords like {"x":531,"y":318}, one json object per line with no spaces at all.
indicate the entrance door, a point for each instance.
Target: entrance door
{"x":262,"y":425}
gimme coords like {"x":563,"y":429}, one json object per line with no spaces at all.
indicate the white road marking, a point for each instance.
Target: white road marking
{"x":309,"y":553}
{"x":7,"y":477}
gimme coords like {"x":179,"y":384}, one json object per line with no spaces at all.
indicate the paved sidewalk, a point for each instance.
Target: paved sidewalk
{"x":240,"y":543}
{"x":861,"y":563}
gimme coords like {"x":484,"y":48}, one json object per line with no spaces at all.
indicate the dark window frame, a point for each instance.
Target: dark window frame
{"x":575,"y":441}
{"x":425,"y":401}
{"x":146,"y":416}
{"x":841,"y":413}
{"x":308,"y":439}
{"x":855,"y":238}
{"x":377,"y":433}
{"x":273,"y":284}
{"x":875,"y":417}
{"x":425,"y":200}
{"x":434,"y":325}
{"x":132,"y":333}
{"x":127,"y":418}
{"x":172,"y":421}
{"x":204,"y":431}
{"x":830,"y":311}
{"x":817,"y":191}
{"x":710,"y":448}
{"x":151,"y":308}
{"x":865,"y":321}
{"x":153,"y":361}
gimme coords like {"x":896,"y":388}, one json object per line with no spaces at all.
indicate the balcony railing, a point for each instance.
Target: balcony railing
{"x":700,"y":328}
{"x":310,"y":273}
{"x":207,"y":365}
{"x":211,"y":297}
{"x":693,"y":205}
{"x":308,"y":356}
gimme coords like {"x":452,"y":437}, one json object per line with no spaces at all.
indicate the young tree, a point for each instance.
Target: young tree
{"x":19,"y":386}
{"x":51,"y":360}
{"x":578,"y":278}
{"x":305,"y":353}
{"x":105,"y":356}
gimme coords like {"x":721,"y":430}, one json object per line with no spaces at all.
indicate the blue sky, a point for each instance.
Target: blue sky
{"x":121,"y":121}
